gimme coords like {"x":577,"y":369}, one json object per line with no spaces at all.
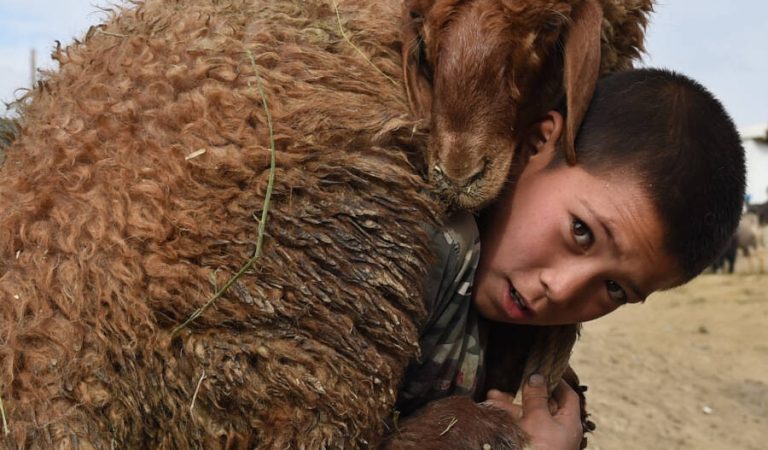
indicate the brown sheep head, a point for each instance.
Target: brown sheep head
{"x":480,"y":71}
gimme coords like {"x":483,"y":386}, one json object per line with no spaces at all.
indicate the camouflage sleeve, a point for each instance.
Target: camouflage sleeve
{"x":454,"y":247}
{"x":452,"y":340}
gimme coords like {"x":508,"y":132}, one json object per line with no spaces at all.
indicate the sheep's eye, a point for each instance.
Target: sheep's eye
{"x":616,"y":292}
{"x":582,"y":235}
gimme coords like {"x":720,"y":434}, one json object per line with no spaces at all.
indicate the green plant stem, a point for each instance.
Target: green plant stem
{"x":6,"y":430}
{"x":349,"y":41}
{"x":264,"y":213}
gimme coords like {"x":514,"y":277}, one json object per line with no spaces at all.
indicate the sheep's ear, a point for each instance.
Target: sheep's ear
{"x":417,"y":74}
{"x":582,"y":67}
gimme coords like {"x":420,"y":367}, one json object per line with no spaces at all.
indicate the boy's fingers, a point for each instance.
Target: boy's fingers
{"x":535,"y":398}
{"x":503,"y":400}
{"x":569,"y":412}
{"x":567,"y":399}
{"x":553,"y":406}
{"x":564,"y":400}
{"x":515,"y":411}
{"x":495,"y":394}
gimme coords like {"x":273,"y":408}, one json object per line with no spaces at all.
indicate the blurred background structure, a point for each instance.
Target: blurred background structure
{"x":755,"y":140}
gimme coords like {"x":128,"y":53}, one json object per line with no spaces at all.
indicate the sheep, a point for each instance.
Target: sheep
{"x":479,"y":72}
{"x":136,"y":189}
{"x":749,"y":239}
{"x":727,"y":258}
{"x":761,"y":210}
{"x":134,"y":192}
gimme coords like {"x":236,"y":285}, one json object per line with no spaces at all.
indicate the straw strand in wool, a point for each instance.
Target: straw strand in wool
{"x":264,"y":213}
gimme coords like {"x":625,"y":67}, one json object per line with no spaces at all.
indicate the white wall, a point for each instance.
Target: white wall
{"x":757,"y":170}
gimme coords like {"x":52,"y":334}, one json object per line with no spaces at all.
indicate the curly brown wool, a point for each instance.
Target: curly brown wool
{"x":134,"y":191}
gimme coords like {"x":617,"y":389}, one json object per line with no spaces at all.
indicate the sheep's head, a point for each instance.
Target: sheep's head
{"x":480,"y":71}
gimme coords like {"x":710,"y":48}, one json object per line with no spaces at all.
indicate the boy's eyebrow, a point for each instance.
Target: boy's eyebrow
{"x":604,"y":225}
{"x":609,"y":232}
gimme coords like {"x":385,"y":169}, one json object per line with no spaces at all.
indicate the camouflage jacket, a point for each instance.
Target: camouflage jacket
{"x":453,"y":338}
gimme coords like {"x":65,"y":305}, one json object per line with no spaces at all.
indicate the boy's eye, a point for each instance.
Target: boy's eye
{"x":616,"y":292}
{"x":581,"y":233}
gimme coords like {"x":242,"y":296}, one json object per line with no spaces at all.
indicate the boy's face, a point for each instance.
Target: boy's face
{"x":566,"y":246}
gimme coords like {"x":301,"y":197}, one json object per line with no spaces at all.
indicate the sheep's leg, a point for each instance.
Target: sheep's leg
{"x":460,"y":423}
{"x":457,"y":423}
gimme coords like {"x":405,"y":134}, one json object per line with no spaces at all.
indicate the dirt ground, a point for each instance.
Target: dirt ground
{"x":686,"y":370}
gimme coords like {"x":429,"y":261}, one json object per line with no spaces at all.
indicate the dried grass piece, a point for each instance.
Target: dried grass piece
{"x":264,"y":213}
{"x":6,"y":430}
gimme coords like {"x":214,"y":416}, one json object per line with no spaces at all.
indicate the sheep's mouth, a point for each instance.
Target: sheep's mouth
{"x":471,"y":196}
{"x":475,"y":188}
{"x":471,"y":193}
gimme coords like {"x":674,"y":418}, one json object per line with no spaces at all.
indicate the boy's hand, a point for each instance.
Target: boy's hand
{"x":550,"y":425}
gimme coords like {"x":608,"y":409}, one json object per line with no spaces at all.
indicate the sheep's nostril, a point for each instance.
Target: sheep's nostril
{"x":461,"y":181}
{"x":478,"y":173}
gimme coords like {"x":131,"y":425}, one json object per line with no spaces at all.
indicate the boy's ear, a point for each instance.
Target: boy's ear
{"x":546,"y":133}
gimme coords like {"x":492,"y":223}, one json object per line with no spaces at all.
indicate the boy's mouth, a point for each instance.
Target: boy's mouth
{"x":518,"y":299}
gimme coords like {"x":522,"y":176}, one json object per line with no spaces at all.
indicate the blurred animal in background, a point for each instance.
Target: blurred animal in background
{"x":761,"y":210}
{"x":727,"y":259}
{"x":749,"y":242}
{"x":749,"y":237}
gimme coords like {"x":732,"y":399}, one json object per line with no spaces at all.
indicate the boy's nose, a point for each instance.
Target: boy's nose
{"x":562,"y":285}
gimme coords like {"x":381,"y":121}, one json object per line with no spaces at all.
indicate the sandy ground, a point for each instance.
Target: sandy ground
{"x":686,"y":370}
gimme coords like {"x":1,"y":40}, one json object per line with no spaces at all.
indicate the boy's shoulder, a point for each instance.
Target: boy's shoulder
{"x":460,"y":231}
{"x":456,"y":246}
{"x":451,"y":340}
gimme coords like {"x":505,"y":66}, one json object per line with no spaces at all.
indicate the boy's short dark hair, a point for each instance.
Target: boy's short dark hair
{"x":677,"y":137}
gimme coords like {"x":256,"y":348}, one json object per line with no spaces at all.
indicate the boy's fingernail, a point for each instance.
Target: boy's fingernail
{"x":536,"y":380}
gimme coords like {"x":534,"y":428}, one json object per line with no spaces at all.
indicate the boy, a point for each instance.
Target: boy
{"x":655,"y":194}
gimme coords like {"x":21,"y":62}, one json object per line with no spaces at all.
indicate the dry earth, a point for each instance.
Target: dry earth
{"x":686,"y":370}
